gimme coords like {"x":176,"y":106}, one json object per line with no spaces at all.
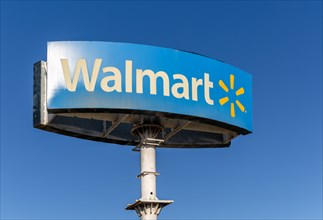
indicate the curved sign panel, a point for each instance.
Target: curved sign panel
{"x":106,"y":75}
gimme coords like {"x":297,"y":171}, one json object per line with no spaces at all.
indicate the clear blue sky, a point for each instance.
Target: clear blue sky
{"x":274,"y":173}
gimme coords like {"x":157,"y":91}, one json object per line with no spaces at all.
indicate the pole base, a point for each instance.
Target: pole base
{"x":148,"y":207}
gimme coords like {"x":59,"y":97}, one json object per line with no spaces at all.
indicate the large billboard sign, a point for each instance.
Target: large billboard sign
{"x":122,"y":76}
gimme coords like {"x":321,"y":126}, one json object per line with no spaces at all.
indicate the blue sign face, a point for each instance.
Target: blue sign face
{"x":105,"y":75}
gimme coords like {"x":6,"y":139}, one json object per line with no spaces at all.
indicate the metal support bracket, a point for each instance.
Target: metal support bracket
{"x":115,"y":125}
{"x":136,"y":148}
{"x":143,"y":207}
{"x":146,"y":173}
{"x":176,"y":130}
{"x":152,"y":141}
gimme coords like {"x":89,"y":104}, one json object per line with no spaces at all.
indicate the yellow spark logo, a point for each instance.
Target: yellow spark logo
{"x":225,"y":99}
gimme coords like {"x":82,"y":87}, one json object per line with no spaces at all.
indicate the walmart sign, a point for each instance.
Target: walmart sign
{"x":105,"y":75}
